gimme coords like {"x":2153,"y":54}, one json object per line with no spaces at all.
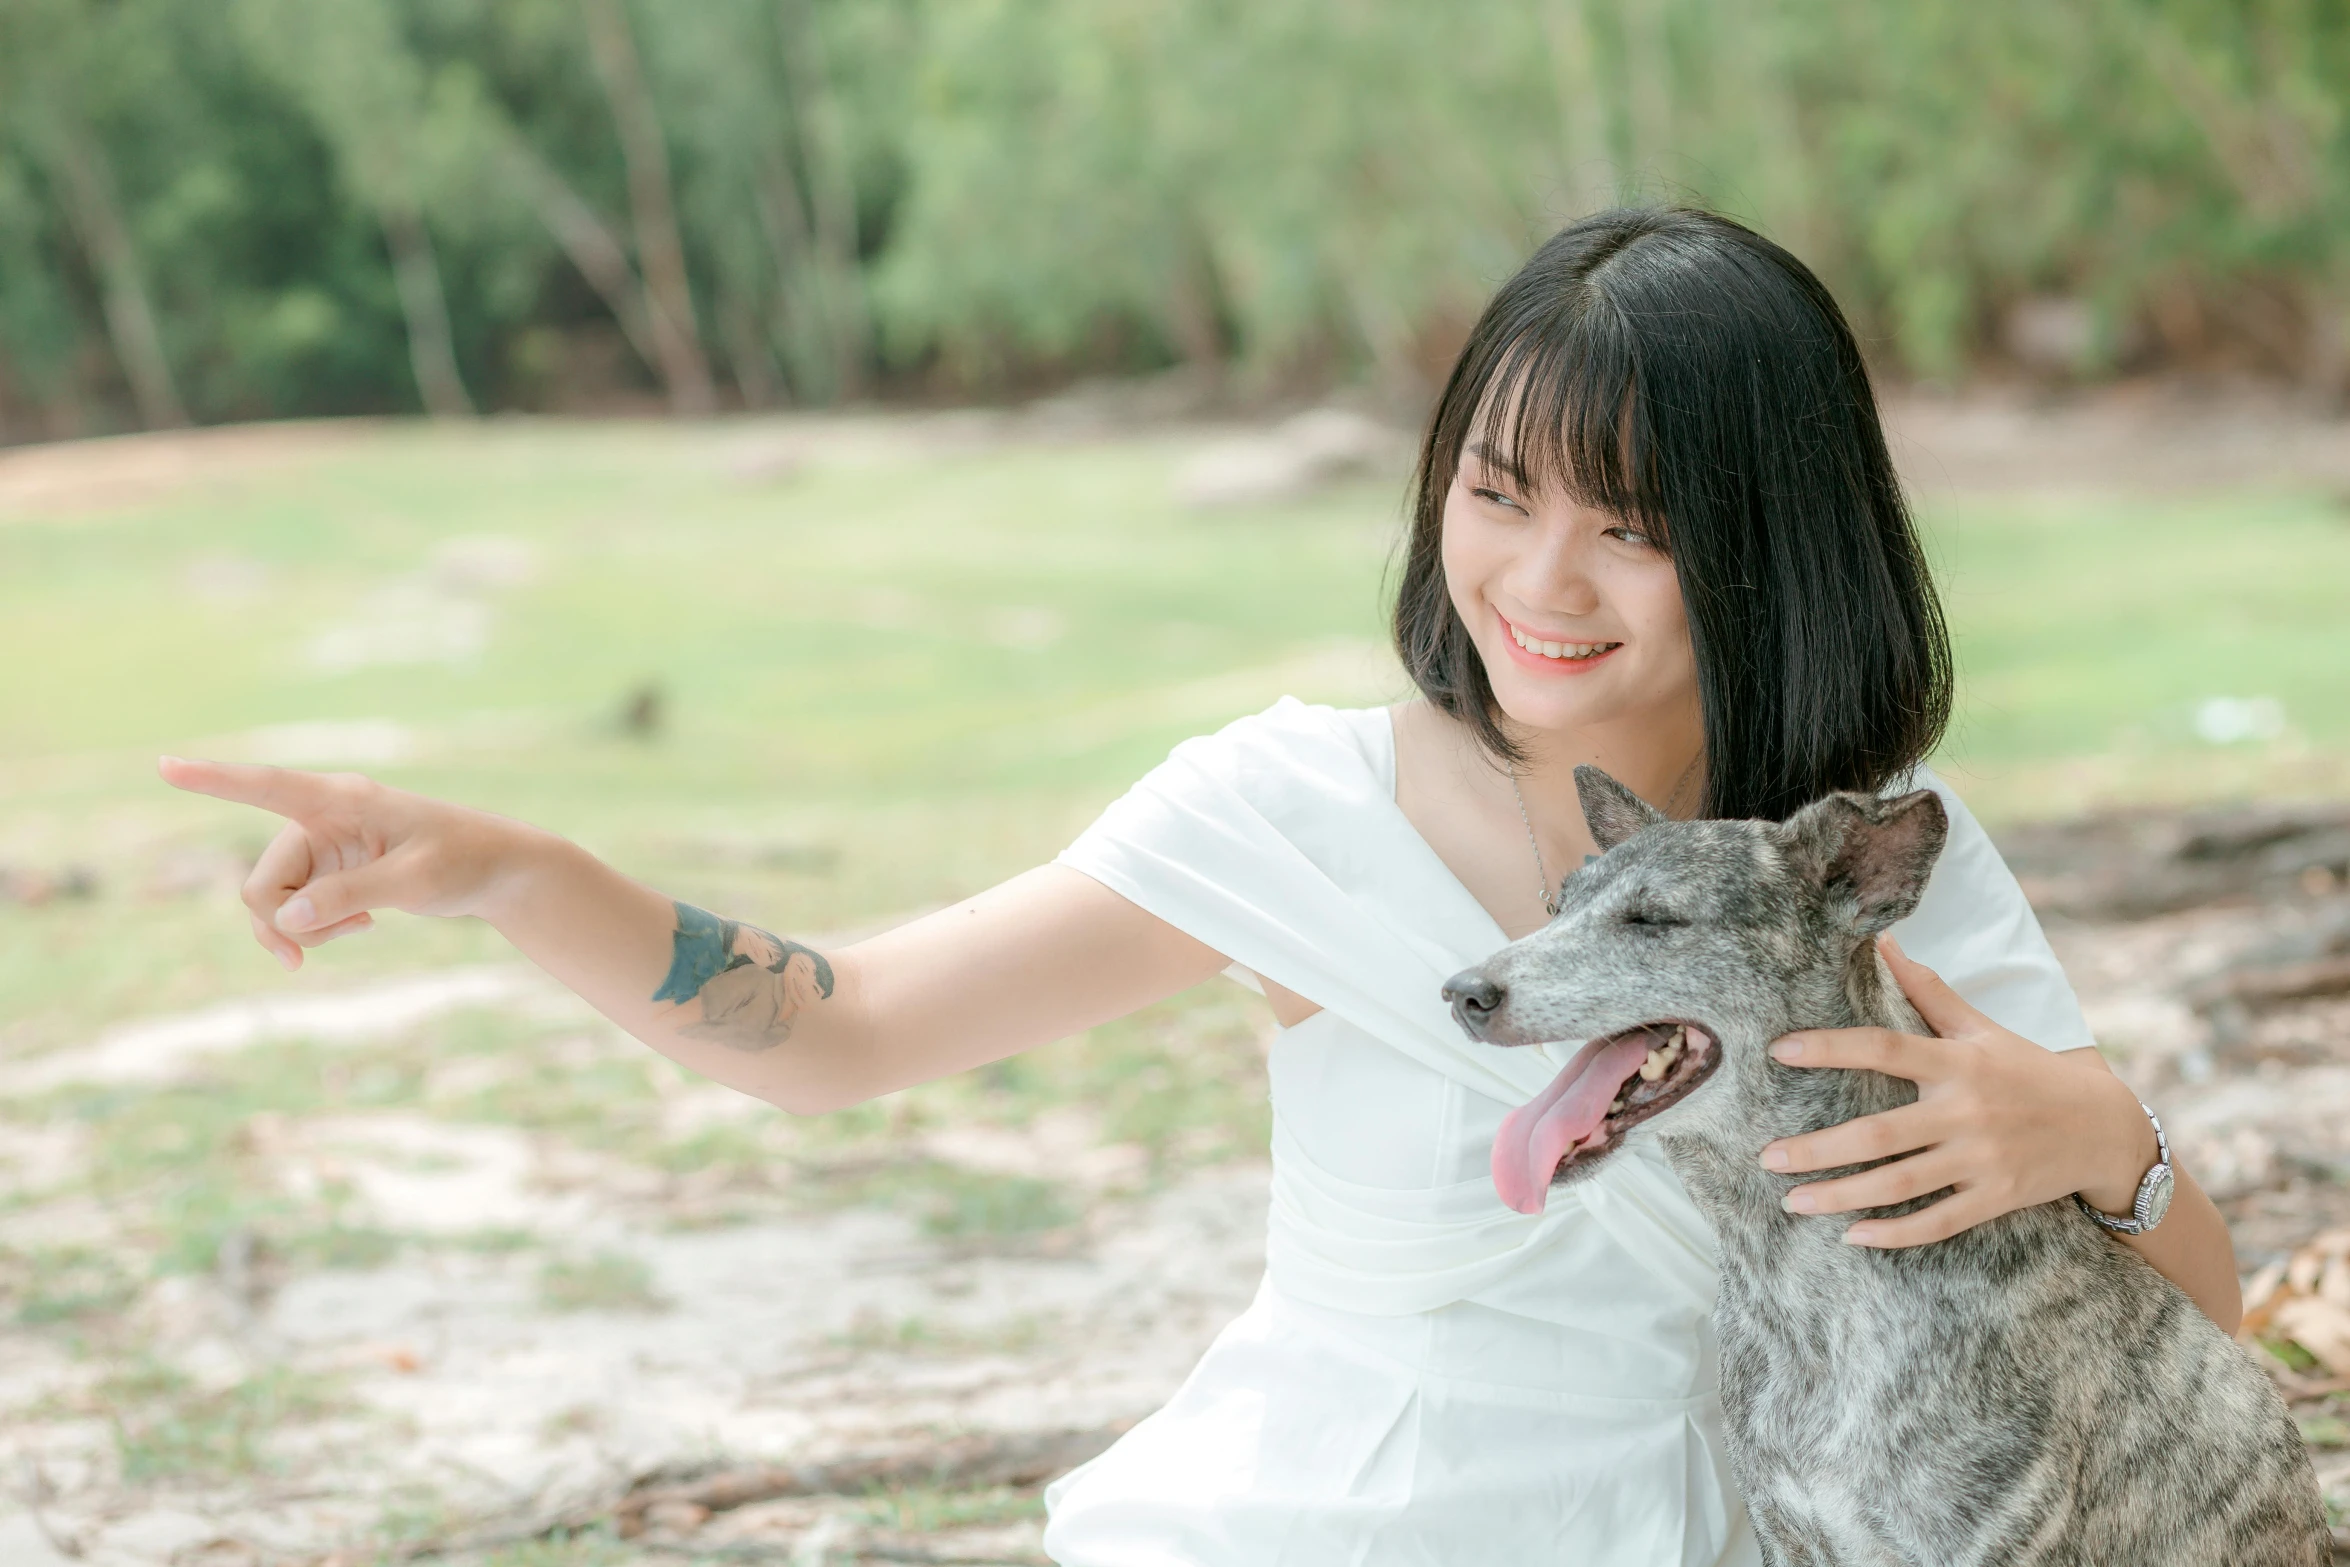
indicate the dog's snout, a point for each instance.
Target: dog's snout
{"x":1475,"y":999}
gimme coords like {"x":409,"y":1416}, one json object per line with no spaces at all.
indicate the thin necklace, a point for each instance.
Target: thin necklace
{"x":1552,"y":902}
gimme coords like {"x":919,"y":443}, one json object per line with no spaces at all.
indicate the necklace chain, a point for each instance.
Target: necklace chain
{"x":1552,"y":902}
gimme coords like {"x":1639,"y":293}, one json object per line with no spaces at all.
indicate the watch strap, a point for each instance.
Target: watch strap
{"x":2137,"y":1223}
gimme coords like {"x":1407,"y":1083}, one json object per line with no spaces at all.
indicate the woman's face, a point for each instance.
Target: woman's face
{"x":1577,"y":613}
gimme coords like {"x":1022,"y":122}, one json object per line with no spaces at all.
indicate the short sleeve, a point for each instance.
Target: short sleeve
{"x":1975,"y":929}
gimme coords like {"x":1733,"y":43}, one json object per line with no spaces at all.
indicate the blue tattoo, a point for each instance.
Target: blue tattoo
{"x":701,"y":949}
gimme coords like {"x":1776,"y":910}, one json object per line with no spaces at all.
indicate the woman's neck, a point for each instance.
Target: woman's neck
{"x":1461,"y":800}
{"x":1660,"y":757}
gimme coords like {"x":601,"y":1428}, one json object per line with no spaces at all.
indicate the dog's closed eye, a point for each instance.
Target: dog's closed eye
{"x":1647,"y":916}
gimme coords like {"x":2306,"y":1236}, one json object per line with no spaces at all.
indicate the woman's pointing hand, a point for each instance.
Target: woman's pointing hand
{"x":351,"y":845}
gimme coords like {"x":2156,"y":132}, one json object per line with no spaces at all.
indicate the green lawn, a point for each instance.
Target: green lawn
{"x":898,"y":670}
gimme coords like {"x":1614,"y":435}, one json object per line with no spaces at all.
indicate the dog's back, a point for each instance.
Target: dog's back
{"x":2027,"y":1392}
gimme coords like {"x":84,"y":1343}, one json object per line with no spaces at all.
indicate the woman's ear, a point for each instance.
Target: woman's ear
{"x":1611,"y":811}
{"x":1871,"y":855}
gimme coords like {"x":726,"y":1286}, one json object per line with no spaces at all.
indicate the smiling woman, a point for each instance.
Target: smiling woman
{"x":1688,"y":398}
{"x":1655,"y":529}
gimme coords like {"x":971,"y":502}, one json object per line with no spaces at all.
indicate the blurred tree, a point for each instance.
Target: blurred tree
{"x":49,"y":52}
{"x":669,"y":298}
{"x":586,"y":198}
{"x":345,"y":62}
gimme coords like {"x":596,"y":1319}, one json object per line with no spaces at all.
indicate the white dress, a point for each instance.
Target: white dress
{"x":1426,"y":1377}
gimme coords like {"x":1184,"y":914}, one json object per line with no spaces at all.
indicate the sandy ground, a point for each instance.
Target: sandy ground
{"x":828,"y":1336}
{"x":815,"y":1337}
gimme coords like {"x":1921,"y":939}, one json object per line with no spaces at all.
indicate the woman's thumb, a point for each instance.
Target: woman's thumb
{"x":327,"y":899}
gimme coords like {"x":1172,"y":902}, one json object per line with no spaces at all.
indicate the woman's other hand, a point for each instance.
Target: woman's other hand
{"x":2000,"y":1121}
{"x":351,"y":845}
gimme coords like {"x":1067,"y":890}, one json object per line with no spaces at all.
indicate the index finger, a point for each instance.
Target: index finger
{"x":1912,"y":1056}
{"x":289,"y":793}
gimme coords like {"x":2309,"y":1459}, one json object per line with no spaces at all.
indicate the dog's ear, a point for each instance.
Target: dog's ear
{"x":1611,"y":811}
{"x":1871,"y":855}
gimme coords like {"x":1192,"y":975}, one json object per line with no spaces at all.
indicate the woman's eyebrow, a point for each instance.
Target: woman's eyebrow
{"x":1499,"y":462}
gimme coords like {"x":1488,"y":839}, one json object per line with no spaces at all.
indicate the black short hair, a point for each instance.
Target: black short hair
{"x":1674,"y":366}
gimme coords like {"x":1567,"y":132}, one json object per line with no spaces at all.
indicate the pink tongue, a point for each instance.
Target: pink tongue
{"x":1536,"y":1136}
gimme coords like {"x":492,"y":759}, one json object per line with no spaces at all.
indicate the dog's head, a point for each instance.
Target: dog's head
{"x":1681,"y":953}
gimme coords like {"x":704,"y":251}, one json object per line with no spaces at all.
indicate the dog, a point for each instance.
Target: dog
{"x":2028,"y":1393}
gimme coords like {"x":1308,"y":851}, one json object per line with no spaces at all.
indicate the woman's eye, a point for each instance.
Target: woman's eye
{"x":1631,"y":536}
{"x":1495,"y":498}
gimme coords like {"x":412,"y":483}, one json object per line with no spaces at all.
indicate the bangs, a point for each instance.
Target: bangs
{"x":1559,"y":409}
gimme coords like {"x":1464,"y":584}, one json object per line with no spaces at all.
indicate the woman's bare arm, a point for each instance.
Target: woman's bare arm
{"x":1042,"y":956}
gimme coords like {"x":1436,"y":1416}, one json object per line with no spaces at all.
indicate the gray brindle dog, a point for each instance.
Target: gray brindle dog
{"x":2026,"y":1392}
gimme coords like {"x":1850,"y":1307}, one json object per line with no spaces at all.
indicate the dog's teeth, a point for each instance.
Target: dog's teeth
{"x":1656,"y":1066}
{"x":1680,"y":1038}
{"x":1618,"y":1107}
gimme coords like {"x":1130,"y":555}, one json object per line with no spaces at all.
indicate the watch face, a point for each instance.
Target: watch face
{"x":2154,"y":1196}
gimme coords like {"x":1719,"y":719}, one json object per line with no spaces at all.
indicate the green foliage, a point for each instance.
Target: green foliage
{"x":982,"y":192}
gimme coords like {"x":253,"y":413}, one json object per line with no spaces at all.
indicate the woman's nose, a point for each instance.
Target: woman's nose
{"x":1557,"y":573}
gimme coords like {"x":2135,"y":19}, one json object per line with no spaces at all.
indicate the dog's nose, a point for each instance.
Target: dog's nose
{"x":1474,"y":1000}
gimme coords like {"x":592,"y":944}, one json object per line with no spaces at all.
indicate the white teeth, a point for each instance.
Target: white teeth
{"x":1559,"y":649}
{"x":1660,"y":1060}
{"x":1618,"y":1107}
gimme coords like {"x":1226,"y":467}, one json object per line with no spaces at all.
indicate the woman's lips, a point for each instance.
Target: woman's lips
{"x":1543,"y":664}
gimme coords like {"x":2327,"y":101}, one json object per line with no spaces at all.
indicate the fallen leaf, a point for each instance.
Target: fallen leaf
{"x":2318,"y":1326}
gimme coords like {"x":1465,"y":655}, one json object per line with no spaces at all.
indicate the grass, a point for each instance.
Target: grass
{"x":605,"y":1281}
{"x":2090,"y":632}
{"x":895,"y":676}
{"x":45,"y":1285}
{"x":167,"y":1426}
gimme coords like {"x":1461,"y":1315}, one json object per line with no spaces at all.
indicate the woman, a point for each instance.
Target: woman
{"x":1656,"y":528}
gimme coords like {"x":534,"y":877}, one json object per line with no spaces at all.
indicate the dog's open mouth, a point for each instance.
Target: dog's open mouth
{"x":1611,"y":1086}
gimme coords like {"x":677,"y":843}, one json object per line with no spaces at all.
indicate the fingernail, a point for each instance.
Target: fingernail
{"x":296,"y":914}
{"x":1859,"y":1235}
{"x":1787,"y":1050}
{"x":1775,"y":1158}
{"x":1799,"y":1201}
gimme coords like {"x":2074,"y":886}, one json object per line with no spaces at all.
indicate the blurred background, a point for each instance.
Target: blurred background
{"x":816,"y":453}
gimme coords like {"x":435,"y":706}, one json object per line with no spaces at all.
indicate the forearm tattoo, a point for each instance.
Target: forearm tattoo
{"x":751,"y":985}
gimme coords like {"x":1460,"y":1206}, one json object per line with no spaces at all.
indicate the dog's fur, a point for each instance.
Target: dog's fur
{"x":2027,"y":1392}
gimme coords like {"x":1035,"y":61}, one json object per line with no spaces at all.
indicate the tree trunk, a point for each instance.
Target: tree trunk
{"x":88,"y":185}
{"x":808,"y":357}
{"x":431,"y":349}
{"x":832,"y":196}
{"x":747,"y":352}
{"x":593,"y":248}
{"x":660,"y":253}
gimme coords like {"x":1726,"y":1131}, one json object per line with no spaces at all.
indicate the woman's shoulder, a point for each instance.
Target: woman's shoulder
{"x":1291,"y":732}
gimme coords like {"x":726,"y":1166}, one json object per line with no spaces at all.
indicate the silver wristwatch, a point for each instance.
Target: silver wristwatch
{"x":2153,"y":1192}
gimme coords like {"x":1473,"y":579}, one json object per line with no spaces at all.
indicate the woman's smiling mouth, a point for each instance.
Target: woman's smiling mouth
{"x":1534,"y":652}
